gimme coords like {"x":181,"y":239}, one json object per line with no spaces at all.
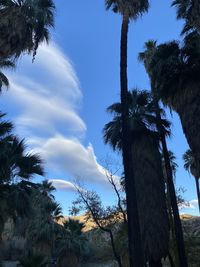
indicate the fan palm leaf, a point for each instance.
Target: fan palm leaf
{"x":24,"y":25}
{"x":175,"y":76}
{"x":4,"y":64}
{"x":15,"y":162}
{"x":133,"y":8}
{"x":189,"y":10}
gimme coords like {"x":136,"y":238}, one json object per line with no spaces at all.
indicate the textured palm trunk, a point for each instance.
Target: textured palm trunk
{"x":171,"y":219}
{"x":135,"y":248}
{"x":188,"y":109}
{"x":198,"y":190}
{"x":153,"y":217}
{"x":187,"y":105}
{"x":177,"y":220}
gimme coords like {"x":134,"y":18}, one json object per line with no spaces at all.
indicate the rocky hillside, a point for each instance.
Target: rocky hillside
{"x":191,"y":227}
{"x":100,"y":241}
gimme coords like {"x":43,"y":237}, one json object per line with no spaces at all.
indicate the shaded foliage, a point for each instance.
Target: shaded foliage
{"x":16,"y":168}
{"x":33,"y":19}
{"x":132,"y":8}
{"x":5,"y":64}
{"x":192,"y":165}
{"x":189,"y":10}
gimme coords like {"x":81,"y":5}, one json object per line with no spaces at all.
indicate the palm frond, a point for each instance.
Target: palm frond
{"x":33,"y":19}
{"x":133,"y":8}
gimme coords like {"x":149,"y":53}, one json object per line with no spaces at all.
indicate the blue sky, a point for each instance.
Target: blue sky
{"x":59,"y":102}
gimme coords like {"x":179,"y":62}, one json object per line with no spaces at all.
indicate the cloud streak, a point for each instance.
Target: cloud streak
{"x":44,"y":113}
{"x":45,"y":98}
{"x":73,"y":158}
{"x":191,"y":205}
{"x":63,"y":185}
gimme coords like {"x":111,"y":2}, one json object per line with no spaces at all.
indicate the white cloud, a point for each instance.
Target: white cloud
{"x":44,"y":113}
{"x":45,"y":98}
{"x":191,"y":205}
{"x":73,"y":158}
{"x":53,"y":66}
{"x":63,"y":185}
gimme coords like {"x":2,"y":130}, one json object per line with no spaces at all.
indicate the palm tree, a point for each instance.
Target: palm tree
{"x":175,"y":75}
{"x":129,"y":9}
{"x":15,"y":194}
{"x":15,"y":163}
{"x":148,"y":58}
{"x":16,"y":168}
{"x":189,"y":10}
{"x":24,"y":25}
{"x":193,"y":166}
{"x":4,"y":64}
{"x":74,"y":235}
{"x":72,"y":244}
{"x":43,"y":226}
{"x":47,"y":188}
{"x":74,"y":227}
{"x":5,"y":127}
{"x":173,"y":165}
{"x":148,"y":171}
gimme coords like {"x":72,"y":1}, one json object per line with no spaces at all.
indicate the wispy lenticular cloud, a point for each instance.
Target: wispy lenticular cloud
{"x":63,"y":185}
{"x":71,"y":156}
{"x":45,"y":98}
{"x":45,"y":113}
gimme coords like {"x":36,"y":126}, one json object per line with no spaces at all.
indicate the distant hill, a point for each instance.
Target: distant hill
{"x":89,"y":225}
{"x":191,"y":228}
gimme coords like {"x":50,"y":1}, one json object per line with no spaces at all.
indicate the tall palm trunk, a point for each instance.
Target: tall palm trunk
{"x":170,"y":214}
{"x":172,"y":228}
{"x":172,"y":192}
{"x":198,"y":190}
{"x":150,"y":190}
{"x":135,"y":248}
